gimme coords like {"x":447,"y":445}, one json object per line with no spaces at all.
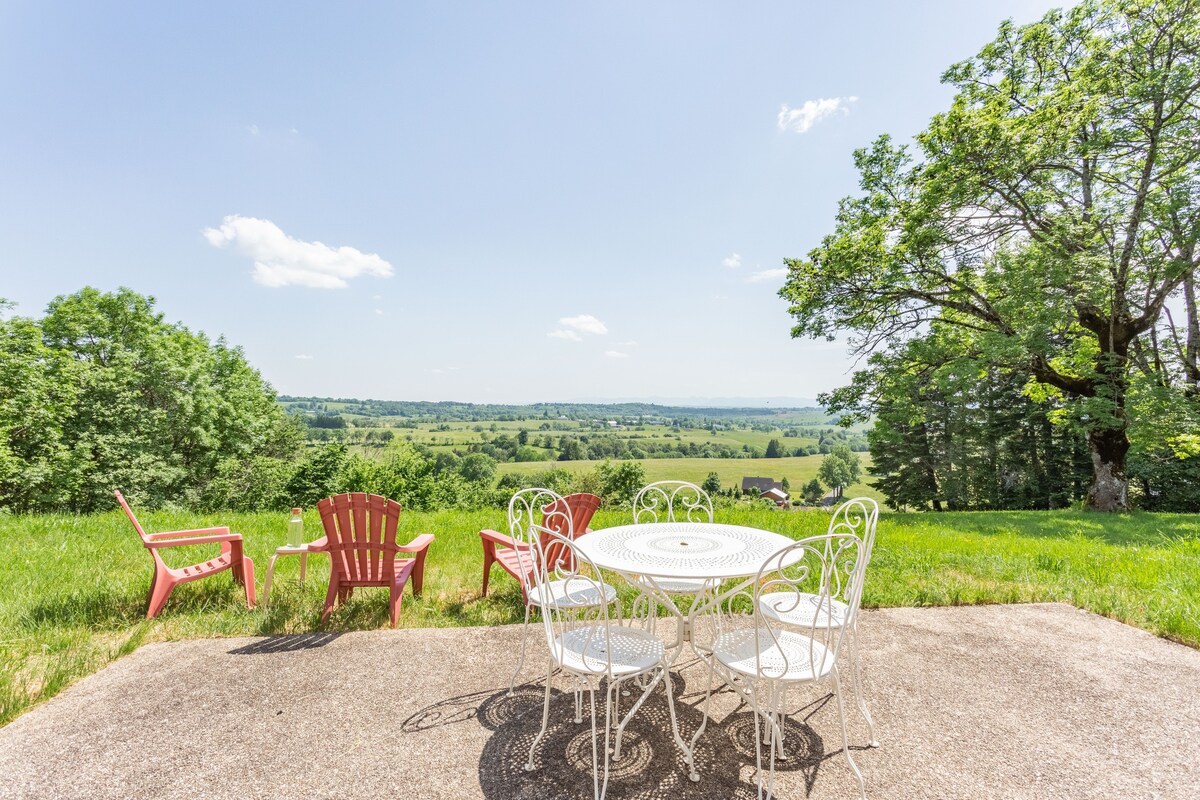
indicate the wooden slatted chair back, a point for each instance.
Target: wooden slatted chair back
{"x":580,"y":508}
{"x":361,"y":530}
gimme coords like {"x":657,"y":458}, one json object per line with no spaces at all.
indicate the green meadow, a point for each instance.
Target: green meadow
{"x":75,"y":586}
{"x":797,"y":469}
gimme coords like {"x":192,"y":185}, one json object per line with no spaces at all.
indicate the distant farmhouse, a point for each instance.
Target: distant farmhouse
{"x":767,"y":489}
{"x":759,"y":485}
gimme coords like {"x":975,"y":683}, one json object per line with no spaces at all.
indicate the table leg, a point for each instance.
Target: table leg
{"x":267,"y":583}
{"x":303,"y":567}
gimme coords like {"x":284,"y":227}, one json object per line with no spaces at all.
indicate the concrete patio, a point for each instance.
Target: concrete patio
{"x":1033,"y":701}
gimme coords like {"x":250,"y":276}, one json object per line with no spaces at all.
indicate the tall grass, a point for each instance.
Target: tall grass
{"x":73,"y":588}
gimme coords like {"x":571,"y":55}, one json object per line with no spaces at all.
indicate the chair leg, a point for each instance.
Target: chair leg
{"x":489,"y":556}
{"x":397,"y":595}
{"x":331,"y":596}
{"x":248,"y":581}
{"x":856,"y":684}
{"x":529,"y":767}
{"x":837,"y":691}
{"x":160,"y":590}
{"x":418,"y":574}
{"x":758,"y":770}
{"x":512,"y":682}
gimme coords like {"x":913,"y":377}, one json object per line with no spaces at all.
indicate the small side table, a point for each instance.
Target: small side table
{"x":302,"y":551}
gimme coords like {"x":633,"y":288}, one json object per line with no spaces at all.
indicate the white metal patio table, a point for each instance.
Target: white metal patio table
{"x":660,"y":552}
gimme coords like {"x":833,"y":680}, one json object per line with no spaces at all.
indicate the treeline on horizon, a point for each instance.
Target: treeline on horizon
{"x":451,"y":411}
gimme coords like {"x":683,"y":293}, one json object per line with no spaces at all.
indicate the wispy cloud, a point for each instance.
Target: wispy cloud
{"x":280,"y":260}
{"x":585,"y":323}
{"x":253,"y":130}
{"x":615,"y":354}
{"x":765,"y":275}
{"x":630,"y":343}
{"x":572,"y":327}
{"x":733,"y":262}
{"x":800,"y":120}
{"x":304,"y":358}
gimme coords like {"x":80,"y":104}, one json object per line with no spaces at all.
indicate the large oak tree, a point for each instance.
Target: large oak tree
{"x":1051,"y":213}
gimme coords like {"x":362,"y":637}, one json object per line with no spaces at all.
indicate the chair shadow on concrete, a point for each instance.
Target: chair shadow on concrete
{"x":285,"y":643}
{"x":651,"y":766}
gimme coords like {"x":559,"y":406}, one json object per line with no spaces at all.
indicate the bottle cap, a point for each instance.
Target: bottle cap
{"x":295,"y":512}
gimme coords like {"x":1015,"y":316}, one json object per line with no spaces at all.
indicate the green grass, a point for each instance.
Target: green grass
{"x":74,"y":587}
{"x":799,"y":470}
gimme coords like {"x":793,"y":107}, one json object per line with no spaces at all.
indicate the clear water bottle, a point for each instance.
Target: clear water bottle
{"x":295,"y":534}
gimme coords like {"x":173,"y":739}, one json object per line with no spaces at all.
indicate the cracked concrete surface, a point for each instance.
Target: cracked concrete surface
{"x":1034,"y":701}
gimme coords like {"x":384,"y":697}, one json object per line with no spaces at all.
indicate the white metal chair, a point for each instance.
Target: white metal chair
{"x":670,"y":501}
{"x":857,"y":517}
{"x":761,"y":659}
{"x":593,"y":648}
{"x":576,"y":510}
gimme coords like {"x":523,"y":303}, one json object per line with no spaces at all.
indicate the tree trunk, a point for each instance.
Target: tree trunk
{"x":1110,"y":485}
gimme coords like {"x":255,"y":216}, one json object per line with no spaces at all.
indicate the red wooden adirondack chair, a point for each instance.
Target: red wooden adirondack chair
{"x":361,"y":533}
{"x":166,"y":579}
{"x":502,"y":550}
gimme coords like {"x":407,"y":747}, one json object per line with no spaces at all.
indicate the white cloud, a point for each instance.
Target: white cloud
{"x":254,"y":131}
{"x":733,"y":262}
{"x":379,"y":311}
{"x":768,"y":275}
{"x":799,"y":120}
{"x":615,"y":354}
{"x":572,"y":327}
{"x":585,"y":323}
{"x":304,"y":358}
{"x":280,"y":260}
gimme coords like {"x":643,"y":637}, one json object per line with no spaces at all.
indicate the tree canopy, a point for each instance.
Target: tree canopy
{"x":102,"y":393}
{"x":1042,"y":223}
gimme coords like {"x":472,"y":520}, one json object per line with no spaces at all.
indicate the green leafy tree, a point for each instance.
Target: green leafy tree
{"x":620,"y":481}
{"x":477,"y":468}
{"x":1051,"y":213}
{"x":775,"y":449}
{"x":813,"y":491}
{"x":127,"y":400}
{"x":712,"y":484}
{"x":839,"y":468}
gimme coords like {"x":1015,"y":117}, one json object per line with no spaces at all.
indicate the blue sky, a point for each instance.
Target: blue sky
{"x":470,"y":201}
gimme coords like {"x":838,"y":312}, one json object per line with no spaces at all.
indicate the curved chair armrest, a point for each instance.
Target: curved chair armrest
{"x":499,"y":538}
{"x":418,"y":544}
{"x":222,"y":530}
{"x":318,"y":545}
{"x":213,"y":539}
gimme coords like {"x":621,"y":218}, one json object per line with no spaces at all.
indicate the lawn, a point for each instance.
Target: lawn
{"x":74,"y":586}
{"x":799,"y":470}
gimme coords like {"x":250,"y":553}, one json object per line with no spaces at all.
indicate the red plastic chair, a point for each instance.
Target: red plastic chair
{"x":502,"y":550}
{"x":166,"y":579}
{"x":360,"y":533}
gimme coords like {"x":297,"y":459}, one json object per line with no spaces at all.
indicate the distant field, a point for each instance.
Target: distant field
{"x":798,"y":470}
